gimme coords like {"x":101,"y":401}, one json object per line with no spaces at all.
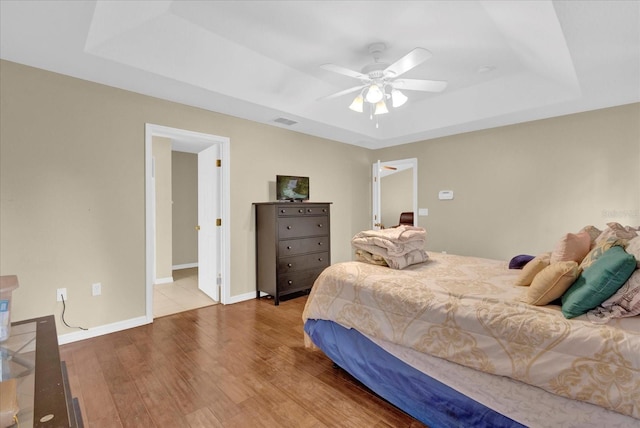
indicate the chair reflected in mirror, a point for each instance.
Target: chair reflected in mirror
{"x":406,"y":219}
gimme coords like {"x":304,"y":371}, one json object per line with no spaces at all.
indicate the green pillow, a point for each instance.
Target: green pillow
{"x":598,"y":282}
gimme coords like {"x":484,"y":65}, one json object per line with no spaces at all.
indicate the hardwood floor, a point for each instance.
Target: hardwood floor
{"x":241,"y":365}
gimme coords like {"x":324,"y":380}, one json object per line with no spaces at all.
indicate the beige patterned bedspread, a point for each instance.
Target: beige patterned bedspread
{"x":466,"y":310}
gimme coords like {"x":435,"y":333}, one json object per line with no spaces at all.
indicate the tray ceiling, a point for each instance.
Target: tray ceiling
{"x":505,"y":62}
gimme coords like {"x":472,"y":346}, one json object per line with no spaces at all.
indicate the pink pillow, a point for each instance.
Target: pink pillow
{"x":572,"y":247}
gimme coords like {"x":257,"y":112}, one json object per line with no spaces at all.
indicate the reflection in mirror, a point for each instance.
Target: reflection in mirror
{"x":396,"y":196}
{"x":395,"y":191}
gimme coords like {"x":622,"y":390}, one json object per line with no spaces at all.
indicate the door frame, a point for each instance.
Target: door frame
{"x":194,"y":139}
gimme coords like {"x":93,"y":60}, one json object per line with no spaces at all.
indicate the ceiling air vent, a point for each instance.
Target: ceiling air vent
{"x":285,"y":121}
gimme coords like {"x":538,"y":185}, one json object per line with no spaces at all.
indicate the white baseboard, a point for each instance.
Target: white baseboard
{"x":131,"y":323}
{"x":184,"y":266}
{"x":102,"y":330}
{"x":243,"y":297}
{"x":166,"y":280}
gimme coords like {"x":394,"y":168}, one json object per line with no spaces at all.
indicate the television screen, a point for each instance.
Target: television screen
{"x":292,"y":188}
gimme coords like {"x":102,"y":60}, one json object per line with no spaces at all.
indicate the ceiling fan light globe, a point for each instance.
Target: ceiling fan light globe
{"x":357,"y":104}
{"x":398,"y":98}
{"x":374,"y":94}
{"x":381,"y":108}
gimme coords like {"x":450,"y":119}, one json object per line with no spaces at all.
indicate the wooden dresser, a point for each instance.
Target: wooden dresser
{"x":292,"y":246}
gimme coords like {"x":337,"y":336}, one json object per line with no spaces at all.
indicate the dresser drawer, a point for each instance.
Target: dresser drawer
{"x":296,"y":227}
{"x":300,"y":210}
{"x":284,"y":210}
{"x":293,"y":247}
{"x":304,"y":262}
{"x":296,"y":281}
{"x":316,"y":210}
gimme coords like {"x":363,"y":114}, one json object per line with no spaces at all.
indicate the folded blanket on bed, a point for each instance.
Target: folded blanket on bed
{"x":403,"y":233}
{"x":395,"y":262}
{"x":396,"y":241}
{"x":381,"y":250}
{"x":399,"y":247}
{"x":411,"y":258}
{"x":367,"y":257}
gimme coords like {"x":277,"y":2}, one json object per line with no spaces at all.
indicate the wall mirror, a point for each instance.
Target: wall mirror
{"x":395,"y":191}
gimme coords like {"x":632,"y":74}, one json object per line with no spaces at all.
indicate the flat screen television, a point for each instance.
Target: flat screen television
{"x":292,"y":188}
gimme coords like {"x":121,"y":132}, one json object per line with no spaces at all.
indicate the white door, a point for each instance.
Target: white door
{"x":208,"y":213}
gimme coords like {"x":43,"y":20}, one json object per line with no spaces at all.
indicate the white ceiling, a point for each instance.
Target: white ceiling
{"x":260,"y":60}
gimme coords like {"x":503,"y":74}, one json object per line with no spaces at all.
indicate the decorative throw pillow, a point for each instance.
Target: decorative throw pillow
{"x":593,"y":232}
{"x":599,"y":250}
{"x":519,"y":261}
{"x":614,"y":229}
{"x":633,"y":248}
{"x":624,"y":303}
{"x":531,"y":269}
{"x":598,"y":282}
{"x":551,"y":283}
{"x":572,"y":246}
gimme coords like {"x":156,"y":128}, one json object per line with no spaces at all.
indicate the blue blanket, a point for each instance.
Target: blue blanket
{"x":426,"y":399}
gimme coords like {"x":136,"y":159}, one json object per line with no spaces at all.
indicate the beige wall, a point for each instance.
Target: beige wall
{"x":72,"y":187}
{"x":161,"y":149}
{"x":518,"y":188}
{"x":72,"y":202}
{"x":185,"y":207}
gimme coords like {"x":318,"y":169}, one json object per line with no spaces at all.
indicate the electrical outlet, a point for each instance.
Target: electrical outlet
{"x":96,"y":289}
{"x":60,"y":294}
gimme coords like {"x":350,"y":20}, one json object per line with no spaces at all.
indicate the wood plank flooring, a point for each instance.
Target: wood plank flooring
{"x":241,"y":365}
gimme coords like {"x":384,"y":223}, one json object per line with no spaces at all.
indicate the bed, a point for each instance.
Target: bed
{"x":450,"y":342}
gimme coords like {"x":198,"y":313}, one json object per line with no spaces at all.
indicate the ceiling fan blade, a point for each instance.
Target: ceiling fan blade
{"x":410,"y":60}
{"x":344,"y":71}
{"x":420,"y":85}
{"x":341,"y":93}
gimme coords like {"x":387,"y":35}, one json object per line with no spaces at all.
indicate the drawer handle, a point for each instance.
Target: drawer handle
{"x":319,"y":259}
{"x":319,"y":224}
{"x":289,"y":227}
{"x":289,"y":265}
{"x":319,"y":243}
{"x":283,"y":211}
{"x":288,"y":247}
{"x":308,"y":210}
{"x":289,"y":282}
{"x":300,"y":210}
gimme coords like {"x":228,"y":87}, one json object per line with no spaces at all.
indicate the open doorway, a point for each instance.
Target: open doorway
{"x":213,"y":207}
{"x":176,"y":286}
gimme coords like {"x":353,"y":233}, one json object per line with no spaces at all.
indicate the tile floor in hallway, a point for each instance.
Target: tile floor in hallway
{"x":180,"y":295}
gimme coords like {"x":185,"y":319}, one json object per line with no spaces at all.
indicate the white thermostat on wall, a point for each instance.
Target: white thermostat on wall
{"x":445,"y":195}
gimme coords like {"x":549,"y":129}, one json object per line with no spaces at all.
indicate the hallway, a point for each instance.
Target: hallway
{"x":180,"y":295}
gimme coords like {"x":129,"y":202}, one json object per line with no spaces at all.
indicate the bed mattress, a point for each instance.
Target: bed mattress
{"x":443,"y":394}
{"x":467,"y":311}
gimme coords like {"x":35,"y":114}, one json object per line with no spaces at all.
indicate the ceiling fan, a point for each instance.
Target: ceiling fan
{"x":381,"y":82}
